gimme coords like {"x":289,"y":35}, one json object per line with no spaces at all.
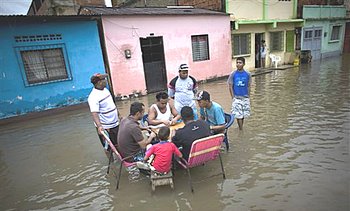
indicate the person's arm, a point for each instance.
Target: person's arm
{"x":147,"y":140}
{"x":177,"y":151}
{"x":97,"y":121}
{"x":174,"y":113}
{"x":250,"y":79}
{"x":220,"y":120}
{"x":148,"y":153}
{"x":195,"y":85}
{"x":230,"y":85}
{"x":217,"y":127}
{"x":202,"y":114}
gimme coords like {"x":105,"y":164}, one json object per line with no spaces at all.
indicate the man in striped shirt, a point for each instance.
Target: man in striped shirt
{"x":103,"y":110}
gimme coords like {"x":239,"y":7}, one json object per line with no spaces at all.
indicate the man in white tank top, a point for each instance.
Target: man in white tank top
{"x":162,"y":113}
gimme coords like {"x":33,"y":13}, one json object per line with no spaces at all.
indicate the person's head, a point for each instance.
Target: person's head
{"x":163,"y":133}
{"x":203,"y":99}
{"x":137,"y":110}
{"x":162,"y":99}
{"x":99,"y":80}
{"x":183,"y":71}
{"x":240,"y":62}
{"x":187,"y":113}
{"x":263,"y":41}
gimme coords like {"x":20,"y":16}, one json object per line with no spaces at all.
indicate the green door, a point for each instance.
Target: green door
{"x":290,"y":41}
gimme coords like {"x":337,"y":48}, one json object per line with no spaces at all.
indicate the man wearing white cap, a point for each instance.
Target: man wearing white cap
{"x":103,"y":110}
{"x":183,"y":88}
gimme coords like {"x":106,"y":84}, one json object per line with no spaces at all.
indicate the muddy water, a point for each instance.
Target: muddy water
{"x":292,"y":155}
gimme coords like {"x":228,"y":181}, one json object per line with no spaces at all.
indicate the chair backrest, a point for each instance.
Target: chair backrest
{"x":144,"y":120}
{"x":229,"y":119}
{"x":115,"y":151}
{"x":204,"y":150}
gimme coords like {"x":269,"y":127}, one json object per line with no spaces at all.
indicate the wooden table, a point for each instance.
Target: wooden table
{"x":172,"y":128}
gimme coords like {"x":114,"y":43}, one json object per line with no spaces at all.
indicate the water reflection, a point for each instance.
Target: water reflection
{"x":292,"y":155}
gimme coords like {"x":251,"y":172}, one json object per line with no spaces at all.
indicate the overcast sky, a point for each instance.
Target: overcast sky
{"x":14,"y":7}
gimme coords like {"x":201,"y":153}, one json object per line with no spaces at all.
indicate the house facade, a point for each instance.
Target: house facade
{"x":324,"y":30}
{"x":274,"y":21}
{"x":46,"y":62}
{"x":145,"y":46}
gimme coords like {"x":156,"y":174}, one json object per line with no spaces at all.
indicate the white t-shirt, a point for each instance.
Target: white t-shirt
{"x":184,"y":93}
{"x":101,"y":101}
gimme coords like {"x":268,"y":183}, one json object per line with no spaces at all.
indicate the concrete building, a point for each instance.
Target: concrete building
{"x":46,"y":62}
{"x":324,"y":30}
{"x":271,"y":20}
{"x":145,"y":46}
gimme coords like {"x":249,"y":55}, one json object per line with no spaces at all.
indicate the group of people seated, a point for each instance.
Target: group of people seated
{"x":157,"y":155}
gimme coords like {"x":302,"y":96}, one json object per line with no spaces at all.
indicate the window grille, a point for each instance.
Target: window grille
{"x":200,"y":47}
{"x":276,"y":41}
{"x":318,"y":33}
{"x":335,"y":33}
{"x":241,"y":44}
{"x":44,"y":65}
{"x":37,"y":38}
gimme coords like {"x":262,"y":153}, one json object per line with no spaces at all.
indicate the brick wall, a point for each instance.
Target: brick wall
{"x":62,"y":7}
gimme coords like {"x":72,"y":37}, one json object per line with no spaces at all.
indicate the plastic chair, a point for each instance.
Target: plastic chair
{"x":123,"y":161}
{"x":275,"y":59}
{"x":144,"y":120}
{"x":202,"y":151}
{"x":229,"y":120}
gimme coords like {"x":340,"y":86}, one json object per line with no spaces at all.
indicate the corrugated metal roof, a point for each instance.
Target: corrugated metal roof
{"x":148,"y":11}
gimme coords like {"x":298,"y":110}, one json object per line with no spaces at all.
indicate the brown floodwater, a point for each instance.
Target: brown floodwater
{"x":292,"y":155}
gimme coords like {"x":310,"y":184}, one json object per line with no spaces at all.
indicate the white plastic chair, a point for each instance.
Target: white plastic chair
{"x":275,"y":59}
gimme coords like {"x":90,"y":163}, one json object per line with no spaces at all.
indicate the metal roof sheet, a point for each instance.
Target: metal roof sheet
{"x":148,"y":11}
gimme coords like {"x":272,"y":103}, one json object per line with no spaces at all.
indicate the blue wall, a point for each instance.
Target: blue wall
{"x":83,"y":55}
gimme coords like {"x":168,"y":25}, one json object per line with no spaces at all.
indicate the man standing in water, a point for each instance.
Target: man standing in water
{"x":103,"y":110}
{"x":183,"y":88}
{"x":239,"y":87}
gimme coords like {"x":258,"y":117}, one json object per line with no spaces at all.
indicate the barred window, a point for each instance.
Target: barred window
{"x":318,"y":33}
{"x":308,"y":34}
{"x":200,"y":47}
{"x":44,"y":65}
{"x":241,"y":44}
{"x":335,"y":33}
{"x":276,"y":41}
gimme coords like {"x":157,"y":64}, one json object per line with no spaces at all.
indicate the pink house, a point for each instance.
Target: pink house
{"x":145,"y":46}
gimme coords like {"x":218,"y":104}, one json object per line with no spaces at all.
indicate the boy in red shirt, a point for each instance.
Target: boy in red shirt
{"x":163,"y":153}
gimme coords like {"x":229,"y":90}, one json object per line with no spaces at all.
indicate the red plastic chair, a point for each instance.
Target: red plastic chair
{"x":202,"y":151}
{"x":123,"y":161}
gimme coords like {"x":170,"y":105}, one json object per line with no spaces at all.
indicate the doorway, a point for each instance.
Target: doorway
{"x":258,"y":40}
{"x":154,"y":64}
{"x":313,"y":41}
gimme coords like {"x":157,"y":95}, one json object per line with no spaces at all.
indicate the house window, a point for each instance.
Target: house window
{"x":335,"y":33}
{"x":308,"y":34}
{"x":200,"y":47}
{"x":276,"y":41}
{"x":241,"y":44}
{"x":318,"y":33}
{"x":43,"y":65}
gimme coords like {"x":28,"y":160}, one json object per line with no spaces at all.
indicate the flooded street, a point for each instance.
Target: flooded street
{"x":292,"y":155}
